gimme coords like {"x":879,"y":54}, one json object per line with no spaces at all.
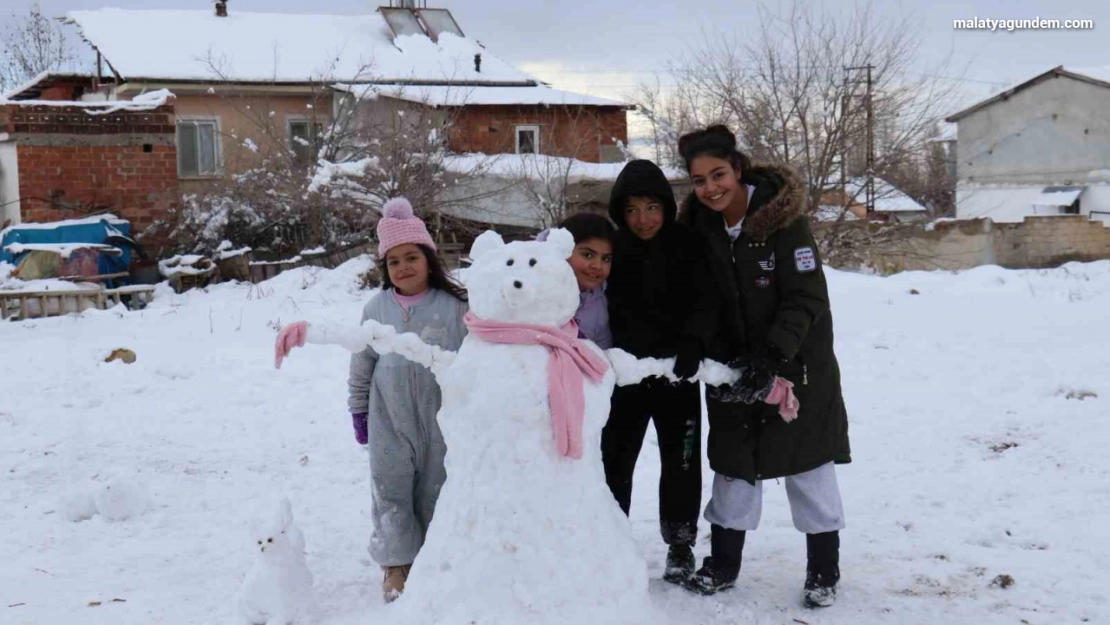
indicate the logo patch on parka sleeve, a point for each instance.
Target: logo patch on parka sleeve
{"x":805,"y":260}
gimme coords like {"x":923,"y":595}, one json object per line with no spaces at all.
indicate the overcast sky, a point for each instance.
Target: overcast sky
{"x":605,"y":48}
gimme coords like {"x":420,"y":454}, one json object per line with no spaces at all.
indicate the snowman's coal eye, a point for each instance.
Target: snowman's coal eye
{"x":532,"y":263}
{"x":260,"y":542}
{"x":510,"y":263}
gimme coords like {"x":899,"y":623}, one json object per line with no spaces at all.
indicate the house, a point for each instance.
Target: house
{"x":891,"y":203}
{"x":249,"y":86}
{"x":1040,"y":148}
{"x":239,"y":75}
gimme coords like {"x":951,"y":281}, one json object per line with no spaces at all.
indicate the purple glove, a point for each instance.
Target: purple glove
{"x":359,"y":421}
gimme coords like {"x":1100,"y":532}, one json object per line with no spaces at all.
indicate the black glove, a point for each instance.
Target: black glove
{"x":768,"y":358}
{"x":754,"y":385}
{"x":757,"y":377}
{"x":687,"y":359}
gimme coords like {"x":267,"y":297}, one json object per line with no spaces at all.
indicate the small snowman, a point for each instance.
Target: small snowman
{"x":278,"y":588}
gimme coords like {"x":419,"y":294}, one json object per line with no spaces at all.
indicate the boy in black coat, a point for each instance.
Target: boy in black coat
{"x":660,"y":305}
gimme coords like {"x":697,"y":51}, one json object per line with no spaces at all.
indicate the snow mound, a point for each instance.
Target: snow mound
{"x":122,"y":498}
{"x":78,"y":504}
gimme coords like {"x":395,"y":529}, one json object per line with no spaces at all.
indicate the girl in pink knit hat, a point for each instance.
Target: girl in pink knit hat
{"x":393,"y":401}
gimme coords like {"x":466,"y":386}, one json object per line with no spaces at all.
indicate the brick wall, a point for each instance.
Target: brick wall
{"x":588,"y":134}
{"x":72,"y":163}
{"x":1036,"y":243}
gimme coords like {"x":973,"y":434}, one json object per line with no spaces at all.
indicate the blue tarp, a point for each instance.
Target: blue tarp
{"x":88,"y":230}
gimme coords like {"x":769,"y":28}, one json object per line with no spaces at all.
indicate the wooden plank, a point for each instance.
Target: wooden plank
{"x":99,"y":278}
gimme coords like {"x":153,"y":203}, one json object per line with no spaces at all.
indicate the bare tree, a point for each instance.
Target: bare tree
{"x":32,"y":44}
{"x":324,"y":179}
{"x":785,"y":89}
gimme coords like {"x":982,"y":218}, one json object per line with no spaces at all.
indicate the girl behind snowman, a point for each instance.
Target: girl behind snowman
{"x":393,"y":401}
{"x":591,"y":261}
{"x":776,"y":320}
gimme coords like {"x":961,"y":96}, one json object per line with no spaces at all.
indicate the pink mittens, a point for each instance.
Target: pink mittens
{"x":292,"y":335}
{"x":782,"y":395}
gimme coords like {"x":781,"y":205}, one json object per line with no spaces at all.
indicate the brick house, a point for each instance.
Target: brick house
{"x":251,"y":84}
{"x":60,"y":160}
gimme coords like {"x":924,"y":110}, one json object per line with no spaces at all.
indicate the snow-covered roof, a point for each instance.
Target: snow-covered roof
{"x":280,"y":47}
{"x":539,"y":165}
{"x":1013,"y":203}
{"x":95,"y":219}
{"x":142,"y":102}
{"x":31,"y":84}
{"x":478,"y":96}
{"x":888,"y":199}
{"x":945,"y":132}
{"x":829,"y":213}
{"x":1058,"y":196}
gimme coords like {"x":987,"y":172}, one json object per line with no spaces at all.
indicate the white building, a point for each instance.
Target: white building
{"x":1040,"y":148}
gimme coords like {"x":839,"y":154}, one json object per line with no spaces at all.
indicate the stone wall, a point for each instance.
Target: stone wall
{"x":1038,"y":242}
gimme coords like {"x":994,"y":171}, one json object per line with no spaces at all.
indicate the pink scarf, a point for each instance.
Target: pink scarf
{"x":569,"y":360}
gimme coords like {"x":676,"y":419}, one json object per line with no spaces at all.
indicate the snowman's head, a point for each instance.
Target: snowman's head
{"x":271,"y":536}
{"x":523,"y":281}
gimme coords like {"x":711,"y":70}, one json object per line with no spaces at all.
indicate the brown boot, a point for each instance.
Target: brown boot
{"x":393,"y":582}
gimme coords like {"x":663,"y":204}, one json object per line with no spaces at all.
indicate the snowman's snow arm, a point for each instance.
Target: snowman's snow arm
{"x":383,"y":339}
{"x":631,"y":370}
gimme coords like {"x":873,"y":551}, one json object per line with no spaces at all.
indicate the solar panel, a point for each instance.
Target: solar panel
{"x":439,"y":21}
{"x":402,"y":21}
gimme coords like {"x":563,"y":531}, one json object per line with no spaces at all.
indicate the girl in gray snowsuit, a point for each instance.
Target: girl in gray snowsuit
{"x":394,"y":402}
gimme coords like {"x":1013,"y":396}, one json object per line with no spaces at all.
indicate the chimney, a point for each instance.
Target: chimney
{"x":478,"y":63}
{"x":221,"y":8}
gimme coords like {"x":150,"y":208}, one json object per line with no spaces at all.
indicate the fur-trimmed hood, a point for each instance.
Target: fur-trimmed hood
{"x":778,"y":201}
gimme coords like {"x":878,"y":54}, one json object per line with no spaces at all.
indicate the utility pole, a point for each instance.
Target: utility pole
{"x":869,"y":130}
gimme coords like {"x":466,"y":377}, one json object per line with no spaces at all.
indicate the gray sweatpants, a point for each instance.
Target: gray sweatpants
{"x":406,"y":473}
{"x":814,"y":502}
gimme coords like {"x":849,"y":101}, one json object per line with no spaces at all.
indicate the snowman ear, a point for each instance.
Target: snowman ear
{"x":486,"y":242}
{"x":563,"y":241}
{"x":285,"y":513}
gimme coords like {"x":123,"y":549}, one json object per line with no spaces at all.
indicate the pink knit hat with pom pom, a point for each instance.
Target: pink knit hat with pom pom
{"x":399,"y":226}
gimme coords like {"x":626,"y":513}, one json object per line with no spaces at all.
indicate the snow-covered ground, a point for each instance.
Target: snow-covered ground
{"x":978,"y":406}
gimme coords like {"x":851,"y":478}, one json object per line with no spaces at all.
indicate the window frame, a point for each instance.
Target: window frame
{"x":535,"y":128}
{"x":315,"y":128}
{"x":217,"y":146}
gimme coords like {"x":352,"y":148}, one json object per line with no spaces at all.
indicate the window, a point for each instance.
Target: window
{"x":305,"y":140}
{"x":198,"y":150}
{"x":527,"y":139}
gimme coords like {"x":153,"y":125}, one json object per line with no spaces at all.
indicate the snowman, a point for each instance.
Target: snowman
{"x":525,"y":529}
